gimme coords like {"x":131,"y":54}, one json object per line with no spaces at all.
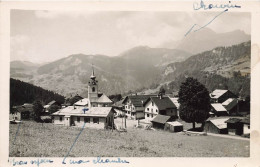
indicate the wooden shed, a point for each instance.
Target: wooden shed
{"x":173,"y":126}
{"x":234,"y":126}
{"x":216,"y":126}
{"x":160,"y":120}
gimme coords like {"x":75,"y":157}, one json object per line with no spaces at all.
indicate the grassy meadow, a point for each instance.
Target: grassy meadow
{"x":48,"y":140}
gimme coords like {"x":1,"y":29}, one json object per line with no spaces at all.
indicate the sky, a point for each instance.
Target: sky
{"x":44,"y":36}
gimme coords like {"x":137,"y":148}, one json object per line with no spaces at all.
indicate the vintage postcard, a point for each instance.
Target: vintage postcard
{"x":130,"y":83}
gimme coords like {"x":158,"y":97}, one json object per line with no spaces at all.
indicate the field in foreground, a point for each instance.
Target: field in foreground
{"x":48,"y":140}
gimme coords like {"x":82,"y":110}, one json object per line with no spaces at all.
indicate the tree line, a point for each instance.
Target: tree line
{"x":22,"y":92}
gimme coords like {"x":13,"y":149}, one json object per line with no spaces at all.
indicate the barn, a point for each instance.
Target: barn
{"x":217,"y":126}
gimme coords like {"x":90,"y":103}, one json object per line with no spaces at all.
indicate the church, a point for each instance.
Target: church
{"x":94,"y":111}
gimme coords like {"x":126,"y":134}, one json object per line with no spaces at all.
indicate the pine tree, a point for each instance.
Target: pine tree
{"x":194,"y":102}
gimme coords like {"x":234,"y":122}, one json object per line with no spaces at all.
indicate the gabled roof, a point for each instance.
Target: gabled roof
{"x":79,"y":111}
{"x":217,"y":93}
{"x":24,"y":107}
{"x":220,"y":123}
{"x":246,"y":121}
{"x":161,"y":119}
{"x":233,"y":120}
{"x":51,"y":103}
{"x":162,"y":103}
{"x":175,"y":101}
{"x":174,"y":123}
{"x":218,"y":107}
{"x":138,"y":100}
{"x":230,"y":103}
{"x":82,"y":102}
{"x":104,"y":99}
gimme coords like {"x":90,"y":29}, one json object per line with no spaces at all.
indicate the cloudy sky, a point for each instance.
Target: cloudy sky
{"x":44,"y":36}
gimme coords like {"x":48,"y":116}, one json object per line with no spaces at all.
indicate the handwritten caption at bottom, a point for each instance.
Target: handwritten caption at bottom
{"x":40,"y":161}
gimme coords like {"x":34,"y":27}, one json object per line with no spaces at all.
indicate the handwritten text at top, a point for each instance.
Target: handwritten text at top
{"x":203,"y":5}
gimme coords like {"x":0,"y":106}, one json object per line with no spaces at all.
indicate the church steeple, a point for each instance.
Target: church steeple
{"x":93,"y":77}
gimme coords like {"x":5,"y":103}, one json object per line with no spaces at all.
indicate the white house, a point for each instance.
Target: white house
{"x":133,"y":106}
{"x":159,"y":105}
{"x":95,"y":117}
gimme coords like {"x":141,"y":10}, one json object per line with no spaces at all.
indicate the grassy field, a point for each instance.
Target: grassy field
{"x":48,"y":140}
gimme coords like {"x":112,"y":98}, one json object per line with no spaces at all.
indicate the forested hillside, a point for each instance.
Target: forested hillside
{"x":22,"y":92}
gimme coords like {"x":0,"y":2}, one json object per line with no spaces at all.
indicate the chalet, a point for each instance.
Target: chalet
{"x":174,"y":126}
{"x":159,"y":105}
{"x":22,"y":112}
{"x":133,"y":106}
{"x":218,"y":109}
{"x":216,"y":126}
{"x":219,"y":95}
{"x":119,"y":108}
{"x":231,"y":105}
{"x":52,"y":103}
{"x":234,"y":126}
{"x":95,"y":117}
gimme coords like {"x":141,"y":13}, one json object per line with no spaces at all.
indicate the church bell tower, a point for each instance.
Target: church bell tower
{"x":92,"y":88}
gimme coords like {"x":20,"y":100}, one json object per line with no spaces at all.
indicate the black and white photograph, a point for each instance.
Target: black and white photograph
{"x":108,"y":86}
{"x":147,"y":84}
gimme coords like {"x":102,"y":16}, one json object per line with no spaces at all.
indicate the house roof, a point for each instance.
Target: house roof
{"x":24,"y":107}
{"x":119,"y":103}
{"x":218,"y":107}
{"x":162,"y":103}
{"x":82,"y":102}
{"x":161,"y":119}
{"x":220,"y":123}
{"x":175,"y":101}
{"x":230,"y":103}
{"x":246,"y":120}
{"x":52,"y":102}
{"x":137,"y":100}
{"x":174,"y":123}
{"x":104,"y":99}
{"x":79,"y":111}
{"x":233,"y":120}
{"x":217,"y":93}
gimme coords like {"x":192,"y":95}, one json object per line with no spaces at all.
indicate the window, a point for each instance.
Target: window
{"x":156,"y":110}
{"x":152,"y":115}
{"x":152,"y":103}
{"x":148,"y":115}
{"x":78,"y":119}
{"x":96,"y":120}
{"x":248,"y":126}
{"x":152,"y":110}
{"x":60,"y":118}
{"x":87,"y":120}
{"x":147,"y":109}
{"x":93,"y":89}
{"x":126,"y":106}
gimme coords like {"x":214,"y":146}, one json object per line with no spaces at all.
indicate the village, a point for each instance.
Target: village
{"x":227,"y":116}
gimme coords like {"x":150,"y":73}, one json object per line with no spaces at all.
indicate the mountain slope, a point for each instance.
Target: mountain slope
{"x":222,"y":60}
{"x":134,"y":69}
{"x":206,"y":39}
